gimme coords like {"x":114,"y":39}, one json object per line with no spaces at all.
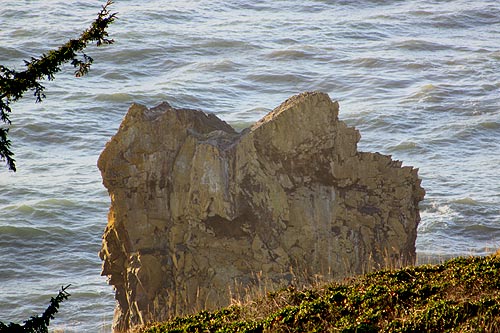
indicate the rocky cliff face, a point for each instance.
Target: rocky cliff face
{"x":199,"y":211}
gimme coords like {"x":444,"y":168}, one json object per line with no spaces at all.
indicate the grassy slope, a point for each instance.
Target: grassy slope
{"x":460,"y":295}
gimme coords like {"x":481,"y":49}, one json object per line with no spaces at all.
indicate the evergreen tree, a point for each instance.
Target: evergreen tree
{"x":13,"y":84}
{"x":38,"y":324}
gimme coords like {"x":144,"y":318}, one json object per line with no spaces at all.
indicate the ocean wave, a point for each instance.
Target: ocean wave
{"x":289,"y":54}
{"x":21,"y":232}
{"x":218,"y":65}
{"x":466,"y":201}
{"x":490,"y":125}
{"x":407,"y":146}
{"x":369,"y":62}
{"x":420,"y":45}
{"x":222,"y":43}
{"x":114,"y":97}
{"x":284,"y":78}
{"x":55,"y":202}
{"x":467,"y":18}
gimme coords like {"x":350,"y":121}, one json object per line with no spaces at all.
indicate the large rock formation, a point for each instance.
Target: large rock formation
{"x":200,"y":211}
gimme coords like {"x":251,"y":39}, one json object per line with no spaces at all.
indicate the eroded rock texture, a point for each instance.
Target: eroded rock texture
{"x":199,"y":211}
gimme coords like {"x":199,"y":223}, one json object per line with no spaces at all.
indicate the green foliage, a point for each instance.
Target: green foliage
{"x":460,"y":295}
{"x":14,"y":84}
{"x":38,"y":324}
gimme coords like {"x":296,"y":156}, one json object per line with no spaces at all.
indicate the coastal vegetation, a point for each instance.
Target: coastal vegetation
{"x":13,"y":84}
{"x":459,"y":295}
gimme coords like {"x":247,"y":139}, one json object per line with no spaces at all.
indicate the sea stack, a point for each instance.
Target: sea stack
{"x":200,"y":212}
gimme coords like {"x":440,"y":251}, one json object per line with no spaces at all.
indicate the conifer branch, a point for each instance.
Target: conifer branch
{"x":38,"y":324}
{"x":14,"y":84}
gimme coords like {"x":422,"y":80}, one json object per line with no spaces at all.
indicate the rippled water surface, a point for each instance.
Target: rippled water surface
{"x":419,"y":79}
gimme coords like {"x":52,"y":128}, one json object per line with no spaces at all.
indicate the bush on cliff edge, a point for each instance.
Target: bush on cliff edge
{"x":460,"y":295}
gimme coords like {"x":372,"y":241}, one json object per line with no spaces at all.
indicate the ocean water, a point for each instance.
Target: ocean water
{"x":419,"y":79}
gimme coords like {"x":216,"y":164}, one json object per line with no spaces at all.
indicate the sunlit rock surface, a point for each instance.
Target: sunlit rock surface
{"x":200,"y":212}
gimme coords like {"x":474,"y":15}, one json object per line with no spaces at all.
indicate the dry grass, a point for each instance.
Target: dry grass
{"x":460,"y":295}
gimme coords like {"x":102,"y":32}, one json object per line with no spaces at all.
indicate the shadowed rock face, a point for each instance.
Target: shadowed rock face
{"x":200,"y":212}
